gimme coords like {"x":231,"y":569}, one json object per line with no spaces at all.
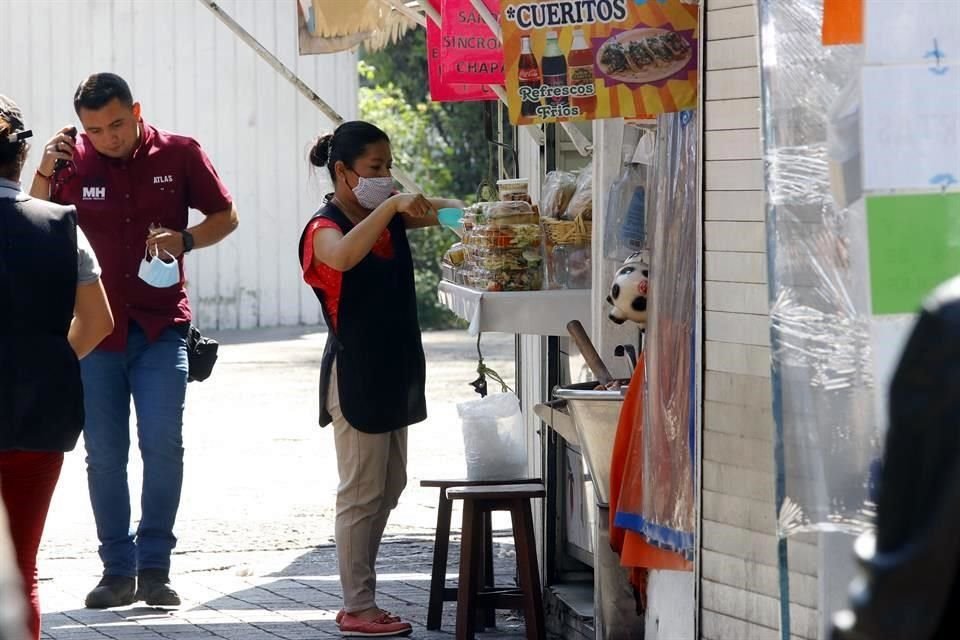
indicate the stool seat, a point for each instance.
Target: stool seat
{"x":463,"y":482}
{"x":475,"y":588}
{"x":497,"y":492}
{"x":439,"y":593}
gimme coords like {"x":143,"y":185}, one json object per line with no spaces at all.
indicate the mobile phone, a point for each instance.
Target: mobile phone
{"x":61,"y":163}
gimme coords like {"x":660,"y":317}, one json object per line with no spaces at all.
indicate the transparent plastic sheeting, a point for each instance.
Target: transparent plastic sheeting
{"x":668,"y":487}
{"x":828,"y":425}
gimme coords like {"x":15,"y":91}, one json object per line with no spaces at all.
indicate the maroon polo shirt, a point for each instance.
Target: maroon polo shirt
{"x":116,"y":202}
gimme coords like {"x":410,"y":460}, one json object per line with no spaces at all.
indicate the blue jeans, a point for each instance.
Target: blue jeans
{"x":155,"y":374}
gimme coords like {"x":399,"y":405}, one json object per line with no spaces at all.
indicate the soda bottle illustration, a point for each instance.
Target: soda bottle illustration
{"x":529,"y":74}
{"x":554,"y":69}
{"x":580,"y":61}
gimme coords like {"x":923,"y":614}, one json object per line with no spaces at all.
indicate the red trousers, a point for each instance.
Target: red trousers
{"x":27,"y":480}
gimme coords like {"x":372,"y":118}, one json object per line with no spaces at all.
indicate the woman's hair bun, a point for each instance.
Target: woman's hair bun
{"x":320,"y":153}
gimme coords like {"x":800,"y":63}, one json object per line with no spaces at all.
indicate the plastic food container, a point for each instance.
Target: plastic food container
{"x":503,"y":246}
{"x":514,"y":190}
{"x":455,"y":255}
{"x":505,"y":236}
{"x":518,"y":280}
{"x":507,"y":259}
{"x":504,"y":212}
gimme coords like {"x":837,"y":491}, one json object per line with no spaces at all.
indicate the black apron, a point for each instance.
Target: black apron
{"x":41,"y":396}
{"x":377,"y":348}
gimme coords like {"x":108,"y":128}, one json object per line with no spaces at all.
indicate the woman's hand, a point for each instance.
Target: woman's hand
{"x":413,"y":205}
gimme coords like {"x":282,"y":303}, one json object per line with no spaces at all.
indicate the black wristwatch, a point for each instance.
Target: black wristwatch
{"x":187,"y":241}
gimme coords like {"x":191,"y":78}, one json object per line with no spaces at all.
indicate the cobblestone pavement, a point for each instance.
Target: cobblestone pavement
{"x":255,"y":557}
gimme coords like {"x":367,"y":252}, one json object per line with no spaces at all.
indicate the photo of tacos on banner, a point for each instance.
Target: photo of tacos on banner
{"x":641,"y":56}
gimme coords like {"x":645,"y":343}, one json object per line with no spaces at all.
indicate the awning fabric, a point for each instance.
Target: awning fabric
{"x":337,"y":25}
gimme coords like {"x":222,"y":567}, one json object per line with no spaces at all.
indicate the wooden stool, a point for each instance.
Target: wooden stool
{"x":479,"y":502}
{"x":439,"y":593}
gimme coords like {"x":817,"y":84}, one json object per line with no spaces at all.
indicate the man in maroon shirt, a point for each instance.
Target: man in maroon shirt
{"x":132,"y":185}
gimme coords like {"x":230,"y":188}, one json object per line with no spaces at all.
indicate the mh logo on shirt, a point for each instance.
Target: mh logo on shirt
{"x":94,"y":193}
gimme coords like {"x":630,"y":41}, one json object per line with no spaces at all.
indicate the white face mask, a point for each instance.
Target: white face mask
{"x":158,"y":273}
{"x":373,"y":192}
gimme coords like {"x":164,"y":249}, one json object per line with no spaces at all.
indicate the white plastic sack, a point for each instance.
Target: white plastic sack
{"x":493,"y":437}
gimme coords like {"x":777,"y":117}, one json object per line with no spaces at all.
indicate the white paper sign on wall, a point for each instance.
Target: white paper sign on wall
{"x":912,"y":31}
{"x":911,"y":127}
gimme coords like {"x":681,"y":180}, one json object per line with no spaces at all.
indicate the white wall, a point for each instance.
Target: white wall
{"x":195,"y":77}
{"x":739,"y":588}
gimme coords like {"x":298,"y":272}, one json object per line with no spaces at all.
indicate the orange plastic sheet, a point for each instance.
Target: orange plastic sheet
{"x":626,"y":490}
{"x":842,"y":22}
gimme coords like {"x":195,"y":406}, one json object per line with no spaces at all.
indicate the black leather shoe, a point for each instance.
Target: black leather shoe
{"x":153,"y":588}
{"x":113,"y":591}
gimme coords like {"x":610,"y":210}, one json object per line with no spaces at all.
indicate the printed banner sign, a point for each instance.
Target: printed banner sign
{"x":470,"y":51}
{"x":442,"y":90}
{"x":593,"y":59}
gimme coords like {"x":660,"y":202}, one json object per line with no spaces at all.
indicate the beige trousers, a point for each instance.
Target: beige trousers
{"x":373,"y":474}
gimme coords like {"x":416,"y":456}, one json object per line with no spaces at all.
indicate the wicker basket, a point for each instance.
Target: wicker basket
{"x":575,"y":232}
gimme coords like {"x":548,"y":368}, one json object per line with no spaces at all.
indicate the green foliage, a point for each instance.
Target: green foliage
{"x":458,"y":124}
{"x":440,"y":146}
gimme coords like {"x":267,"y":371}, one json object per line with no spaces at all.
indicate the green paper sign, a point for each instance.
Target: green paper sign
{"x":914,"y":245}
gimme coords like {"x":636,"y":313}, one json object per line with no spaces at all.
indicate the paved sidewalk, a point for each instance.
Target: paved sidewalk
{"x":254,"y":557}
{"x":296,"y":602}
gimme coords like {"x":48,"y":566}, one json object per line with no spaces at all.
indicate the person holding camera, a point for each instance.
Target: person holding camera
{"x":132,"y":185}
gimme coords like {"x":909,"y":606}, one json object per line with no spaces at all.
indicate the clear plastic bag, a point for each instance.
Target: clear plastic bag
{"x":581,"y":204}
{"x":625,"y":230}
{"x":494,"y":441}
{"x":669,"y":431}
{"x":558,"y":189}
{"x":625,"y":226}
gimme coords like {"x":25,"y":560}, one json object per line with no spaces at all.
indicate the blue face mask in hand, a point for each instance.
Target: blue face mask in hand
{"x":157,"y":273}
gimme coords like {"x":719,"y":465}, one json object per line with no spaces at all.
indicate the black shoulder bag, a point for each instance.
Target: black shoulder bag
{"x":201,"y":355}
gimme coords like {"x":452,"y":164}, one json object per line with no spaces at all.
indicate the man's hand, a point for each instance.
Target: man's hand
{"x":162,"y":241}
{"x":59,"y":147}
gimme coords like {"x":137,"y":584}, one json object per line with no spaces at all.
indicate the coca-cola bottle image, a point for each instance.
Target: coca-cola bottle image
{"x":554,"y":69}
{"x":530,"y":77}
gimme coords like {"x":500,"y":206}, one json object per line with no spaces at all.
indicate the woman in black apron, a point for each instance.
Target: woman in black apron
{"x":355,"y":255}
